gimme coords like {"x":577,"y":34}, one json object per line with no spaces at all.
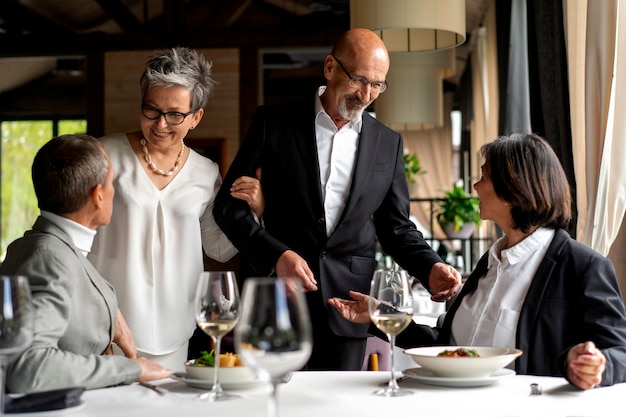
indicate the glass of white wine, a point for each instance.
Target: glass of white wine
{"x":217,"y":312}
{"x":274,"y":336}
{"x":391,"y":310}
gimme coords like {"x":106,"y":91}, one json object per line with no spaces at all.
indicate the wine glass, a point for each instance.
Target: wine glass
{"x":274,"y":335}
{"x":391,"y":309}
{"x":16,"y":323}
{"x":217,"y":312}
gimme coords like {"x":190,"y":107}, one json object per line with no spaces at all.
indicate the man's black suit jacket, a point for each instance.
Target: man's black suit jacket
{"x":573,"y":298}
{"x":281,"y":141}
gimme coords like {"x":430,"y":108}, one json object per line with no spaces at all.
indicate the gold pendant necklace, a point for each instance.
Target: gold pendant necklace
{"x":154,"y":168}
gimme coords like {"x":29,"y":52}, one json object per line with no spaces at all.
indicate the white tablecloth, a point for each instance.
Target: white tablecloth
{"x":349,"y":394}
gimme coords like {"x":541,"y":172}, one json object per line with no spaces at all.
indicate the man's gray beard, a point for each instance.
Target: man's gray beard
{"x":352,"y":115}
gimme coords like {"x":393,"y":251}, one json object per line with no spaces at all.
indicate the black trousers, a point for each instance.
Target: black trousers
{"x":331,"y":352}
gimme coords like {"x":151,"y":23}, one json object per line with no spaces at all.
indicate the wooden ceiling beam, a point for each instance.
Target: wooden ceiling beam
{"x":121,"y":15}
{"x":20,"y":20}
{"x":227,"y":13}
{"x":51,"y":45}
{"x":174,"y":15}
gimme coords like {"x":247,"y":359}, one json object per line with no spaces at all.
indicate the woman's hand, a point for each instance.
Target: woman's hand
{"x":354,"y":310}
{"x":123,"y":337}
{"x":585,"y":365}
{"x":249,"y":190}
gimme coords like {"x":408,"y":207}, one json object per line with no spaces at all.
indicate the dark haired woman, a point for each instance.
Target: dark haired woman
{"x":536,"y":289}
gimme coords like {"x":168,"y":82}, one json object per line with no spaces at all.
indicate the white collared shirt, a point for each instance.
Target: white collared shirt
{"x":488,"y":316}
{"x":81,"y":236}
{"x":336,"y":152}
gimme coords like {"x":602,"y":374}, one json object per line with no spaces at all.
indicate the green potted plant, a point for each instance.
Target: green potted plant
{"x":412,"y":167}
{"x":458,"y":213}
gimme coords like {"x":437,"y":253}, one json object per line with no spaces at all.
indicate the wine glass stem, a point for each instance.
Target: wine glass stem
{"x":393,"y":384}
{"x":272,"y":401}
{"x":217,"y":387}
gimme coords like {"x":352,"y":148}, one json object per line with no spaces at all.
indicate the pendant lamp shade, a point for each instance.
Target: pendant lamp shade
{"x":412,"y":25}
{"x":414,"y":100}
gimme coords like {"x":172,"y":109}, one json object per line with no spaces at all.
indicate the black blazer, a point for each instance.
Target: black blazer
{"x":574,"y":297}
{"x":281,"y":140}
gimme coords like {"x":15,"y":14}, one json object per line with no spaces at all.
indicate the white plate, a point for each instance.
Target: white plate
{"x":427,"y":377}
{"x":208,"y":384}
{"x":489,"y":361}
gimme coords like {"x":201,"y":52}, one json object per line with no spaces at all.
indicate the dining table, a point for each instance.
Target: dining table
{"x":350,"y":394}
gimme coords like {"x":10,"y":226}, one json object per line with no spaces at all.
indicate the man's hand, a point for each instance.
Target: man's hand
{"x":444,"y":282}
{"x":150,"y":370}
{"x":585,"y":365}
{"x":355,"y":311}
{"x":291,"y":265}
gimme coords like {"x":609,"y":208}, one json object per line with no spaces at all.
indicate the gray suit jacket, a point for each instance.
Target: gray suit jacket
{"x":75,"y":314}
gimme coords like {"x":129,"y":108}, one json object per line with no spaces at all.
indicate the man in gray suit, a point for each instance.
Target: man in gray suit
{"x":77,"y":318}
{"x":333,"y":180}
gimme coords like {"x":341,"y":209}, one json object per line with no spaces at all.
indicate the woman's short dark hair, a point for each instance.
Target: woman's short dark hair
{"x":527,"y":174}
{"x":179,"y":67}
{"x":65,"y":171}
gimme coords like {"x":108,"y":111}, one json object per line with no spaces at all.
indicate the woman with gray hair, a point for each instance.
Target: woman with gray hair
{"x":162,"y":217}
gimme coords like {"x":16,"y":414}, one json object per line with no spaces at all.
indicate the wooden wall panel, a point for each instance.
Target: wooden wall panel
{"x":122,"y":96}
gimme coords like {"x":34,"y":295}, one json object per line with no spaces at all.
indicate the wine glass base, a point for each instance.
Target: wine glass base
{"x":388,"y":392}
{"x":218,"y":396}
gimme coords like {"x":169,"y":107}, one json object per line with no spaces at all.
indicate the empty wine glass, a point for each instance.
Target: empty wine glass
{"x":16,"y":323}
{"x":391,"y":309}
{"x":217,"y":312}
{"x":274,"y":335}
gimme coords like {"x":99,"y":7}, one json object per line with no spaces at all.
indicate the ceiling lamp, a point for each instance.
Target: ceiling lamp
{"x":412,"y":25}
{"x":414,"y":100}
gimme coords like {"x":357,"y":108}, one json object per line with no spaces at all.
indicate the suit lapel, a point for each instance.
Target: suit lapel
{"x":534,"y":298}
{"x":469,"y":286}
{"x":303,"y":133}
{"x":94,"y":276}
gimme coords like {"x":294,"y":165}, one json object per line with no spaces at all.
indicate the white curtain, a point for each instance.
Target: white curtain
{"x":484,"y":64}
{"x":603,"y":174}
{"x":575,"y":21}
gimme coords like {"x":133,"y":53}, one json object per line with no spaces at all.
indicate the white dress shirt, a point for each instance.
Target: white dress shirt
{"x":336,"y":152}
{"x":488,"y":316}
{"x":81,"y":236}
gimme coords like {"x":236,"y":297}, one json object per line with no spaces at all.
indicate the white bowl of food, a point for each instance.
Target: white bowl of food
{"x":462,"y":361}
{"x":231,"y":369}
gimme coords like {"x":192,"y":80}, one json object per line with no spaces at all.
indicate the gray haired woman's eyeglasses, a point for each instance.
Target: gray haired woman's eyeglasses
{"x":171,"y":117}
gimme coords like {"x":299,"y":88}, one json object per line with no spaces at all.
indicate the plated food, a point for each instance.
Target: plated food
{"x":486,"y":363}
{"x":232,"y":369}
{"x":459,"y":353}
{"x":227,"y":359}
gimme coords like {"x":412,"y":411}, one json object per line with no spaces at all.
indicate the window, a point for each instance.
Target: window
{"x":20,"y":142}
